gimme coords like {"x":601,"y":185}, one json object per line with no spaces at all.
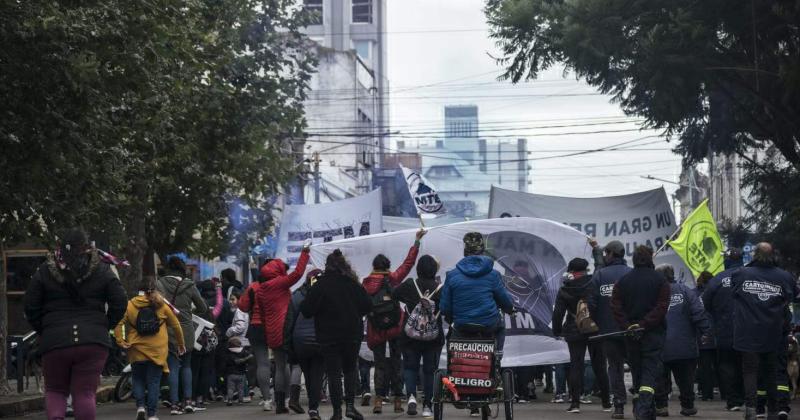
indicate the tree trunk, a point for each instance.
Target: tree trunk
{"x":135,"y":250}
{"x":5,"y":389}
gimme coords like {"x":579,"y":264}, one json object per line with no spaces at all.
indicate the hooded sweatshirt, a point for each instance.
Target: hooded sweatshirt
{"x":373,"y":284}
{"x":474,"y":292}
{"x":151,"y":347}
{"x":566,"y":304}
{"x":274,"y":294}
{"x":183,"y":294}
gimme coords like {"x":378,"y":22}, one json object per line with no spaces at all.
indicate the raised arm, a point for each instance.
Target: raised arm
{"x":290,"y":279}
{"x":397,"y":277}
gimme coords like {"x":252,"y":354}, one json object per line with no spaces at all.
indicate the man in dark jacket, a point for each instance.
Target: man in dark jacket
{"x":762,"y":292}
{"x":686,"y":321}
{"x":640,"y":300}
{"x":718,"y":300}
{"x":608,"y":270}
{"x":577,"y":286}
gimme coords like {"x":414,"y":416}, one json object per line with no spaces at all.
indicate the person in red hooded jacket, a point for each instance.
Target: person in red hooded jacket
{"x":388,"y":370}
{"x":272,"y":298}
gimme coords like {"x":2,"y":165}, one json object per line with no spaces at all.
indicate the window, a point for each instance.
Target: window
{"x":362,"y":11}
{"x":401,"y":144}
{"x":439,"y":144}
{"x":315,"y":7}
{"x":363,"y":49}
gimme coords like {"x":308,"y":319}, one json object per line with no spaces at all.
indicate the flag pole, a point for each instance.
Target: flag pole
{"x":421,"y":223}
{"x":704,"y":202}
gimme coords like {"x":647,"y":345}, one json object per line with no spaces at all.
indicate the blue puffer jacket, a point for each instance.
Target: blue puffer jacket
{"x":599,"y":300}
{"x":686,"y":321}
{"x":473,"y":292}
{"x":718,"y":300}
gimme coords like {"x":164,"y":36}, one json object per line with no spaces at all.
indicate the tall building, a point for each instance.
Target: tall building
{"x":347,"y":108}
{"x":463,"y":166}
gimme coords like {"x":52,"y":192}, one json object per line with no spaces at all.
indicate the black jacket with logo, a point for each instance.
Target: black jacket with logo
{"x":599,"y":298}
{"x":566,"y":305}
{"x":641,"y":297}
{"x":718,"y":300}
{"x":761,"y":294}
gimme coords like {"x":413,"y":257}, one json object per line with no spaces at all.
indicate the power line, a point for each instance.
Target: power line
{"x":400,"y":135}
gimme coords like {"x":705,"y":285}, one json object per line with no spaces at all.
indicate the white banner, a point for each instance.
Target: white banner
{"x":643,"y":218}
{"x":357,"y":216}
{"x":532,"y":255}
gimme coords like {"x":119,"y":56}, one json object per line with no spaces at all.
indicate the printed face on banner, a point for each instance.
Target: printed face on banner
{"x":532,"y":269}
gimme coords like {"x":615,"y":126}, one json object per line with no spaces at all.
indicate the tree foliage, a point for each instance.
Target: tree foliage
{"x":145,"y":120}
{"x":717,"y":76}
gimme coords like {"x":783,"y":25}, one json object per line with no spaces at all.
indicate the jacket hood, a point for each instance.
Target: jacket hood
{"x":170,"y":282}
{"x":575,"y":289}
{"x":272,"y":269}
{"x":52,"y":265}
{"x":140,"y":301}
{"x":475,"y":265}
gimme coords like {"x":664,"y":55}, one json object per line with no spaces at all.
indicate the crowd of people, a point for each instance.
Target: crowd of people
{"x":289,"y":328}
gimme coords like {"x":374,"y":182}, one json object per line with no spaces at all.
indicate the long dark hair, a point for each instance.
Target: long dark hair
{"x":336,"y":264}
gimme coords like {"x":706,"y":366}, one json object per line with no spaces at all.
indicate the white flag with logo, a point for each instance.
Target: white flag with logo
{"x":424,"y":195}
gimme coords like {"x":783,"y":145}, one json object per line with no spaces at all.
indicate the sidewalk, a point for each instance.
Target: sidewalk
{"x":31,"y":400}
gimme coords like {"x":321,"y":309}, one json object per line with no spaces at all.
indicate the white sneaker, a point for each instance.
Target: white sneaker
{"x":412,"y":406}
{"x":267,"y":405}
{"x":152,"y":418}
{"x":427,"y":412}
{"x":140,"y":414}
{"x":247,"y":399}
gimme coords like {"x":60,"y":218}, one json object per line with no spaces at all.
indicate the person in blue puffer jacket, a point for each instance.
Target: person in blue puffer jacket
{"x":473,"y":292}
{"x":686,"y":321}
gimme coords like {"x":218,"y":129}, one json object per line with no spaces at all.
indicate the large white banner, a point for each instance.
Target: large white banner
{"x":643,"y":218}
{"x":353,"y":217}
{"x":532,"y":255}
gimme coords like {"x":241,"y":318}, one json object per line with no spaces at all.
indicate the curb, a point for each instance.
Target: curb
{"x":34,"y":403}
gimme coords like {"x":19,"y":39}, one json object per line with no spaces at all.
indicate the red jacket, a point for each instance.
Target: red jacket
{"x":274,"y":295}
{"x":251,"y":307}
{"x":372,"y":284}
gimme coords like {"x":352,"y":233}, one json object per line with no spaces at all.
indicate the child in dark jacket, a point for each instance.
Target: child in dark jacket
{"x":236,"y":358}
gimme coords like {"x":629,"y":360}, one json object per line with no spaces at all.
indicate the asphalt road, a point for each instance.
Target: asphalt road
{"x":539,"y":410}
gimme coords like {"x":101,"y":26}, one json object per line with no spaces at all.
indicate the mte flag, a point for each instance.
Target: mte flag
{"x":425,"y":197}
{"x":699,"y":244}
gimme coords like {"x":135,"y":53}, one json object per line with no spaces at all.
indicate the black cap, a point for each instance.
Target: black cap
{"x":615,"y":248}
{"x":577,"y":264}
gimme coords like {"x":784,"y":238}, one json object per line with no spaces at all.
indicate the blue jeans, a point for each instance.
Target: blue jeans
{"x":180,"y":374}
{"x":430,"y":362}
{"x":561,"y":378}
{"x":146,"y":376}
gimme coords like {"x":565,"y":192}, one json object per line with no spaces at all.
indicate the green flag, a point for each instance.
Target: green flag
{"x":699,"y":244}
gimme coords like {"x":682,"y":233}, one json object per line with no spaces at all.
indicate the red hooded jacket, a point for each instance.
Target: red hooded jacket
{"x":274,"y":294}
{"x":372,"y":284}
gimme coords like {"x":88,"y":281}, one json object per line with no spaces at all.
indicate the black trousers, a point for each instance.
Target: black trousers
{"x":683,"y":371}
{"x":782,"y":390}
{"x":644,"y":358}
{"x":341,"y":360}
{"x":615,"y":353}
{"x":730,"y":376}
{"x":577,"y":354}
{"x":313,"y":367}
{"x":763,"y":365}
{"x":707,"y":368}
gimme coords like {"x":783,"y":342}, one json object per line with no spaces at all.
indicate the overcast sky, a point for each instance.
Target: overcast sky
{"x":439,"y":53}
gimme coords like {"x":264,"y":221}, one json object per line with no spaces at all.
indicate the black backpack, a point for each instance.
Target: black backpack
{"x":385,"y":313}
{"x":147,"y":322}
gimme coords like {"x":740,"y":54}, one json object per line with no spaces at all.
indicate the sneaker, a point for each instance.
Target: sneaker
{"x":247,"y":399}
{"x":520,"y":400}
{"x":586,"y":399}
{"x":140,"y":414}
{"x":201,"y":406}
{"x":619,"y":412}
{"x":152,"y":418}
{"x":314,"y":415}
{"x":175,"y":410}
{"x":475,"y":412}
{"x":662,"y":412}
{"x":366,"y":399}
{"x":558,"y":399}
{"x":607,"y":407}
{"x":426,"y":411}
{"x":688,"y":411}
{"x":761,"y":415}
{"x":266,"y":405}
{"x":734,"y":408}
{"x":783,"y":415}
{"x":166,"y":404}
{"x":189,"y":408}
{"x":574,"y":408}
{"x":412,"y":406}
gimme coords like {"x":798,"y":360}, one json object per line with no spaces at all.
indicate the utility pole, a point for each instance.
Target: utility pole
{"x":316,"y":177}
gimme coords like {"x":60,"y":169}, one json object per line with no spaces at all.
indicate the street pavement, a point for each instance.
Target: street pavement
{"x":540,"y":410}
